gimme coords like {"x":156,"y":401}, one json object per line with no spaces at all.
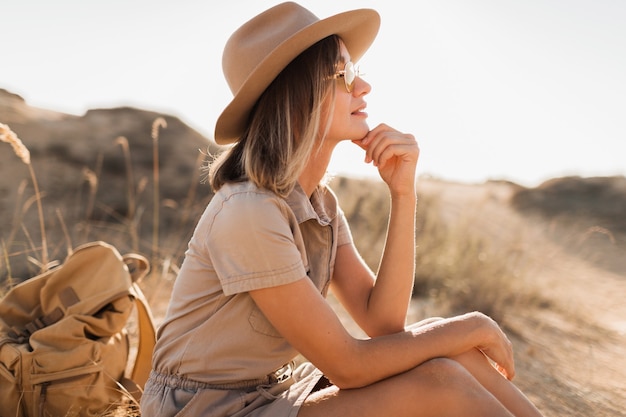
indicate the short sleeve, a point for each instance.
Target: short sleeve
{"x":251,"y":243}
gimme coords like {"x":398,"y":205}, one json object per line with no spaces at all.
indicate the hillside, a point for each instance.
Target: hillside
{"x":96,"y":173}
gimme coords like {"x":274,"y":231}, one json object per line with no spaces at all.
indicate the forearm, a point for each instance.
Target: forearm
{"x":350,"y":362}
{"x":375,"y":359}
{"x":391,"y":294}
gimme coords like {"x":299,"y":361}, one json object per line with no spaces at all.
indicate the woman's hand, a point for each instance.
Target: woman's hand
{"x":395,"y":154}
{"x":467,"y":332}
{"x":496,"y":346}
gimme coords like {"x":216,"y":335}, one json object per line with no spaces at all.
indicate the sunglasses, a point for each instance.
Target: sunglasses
{"x":349,"y":74}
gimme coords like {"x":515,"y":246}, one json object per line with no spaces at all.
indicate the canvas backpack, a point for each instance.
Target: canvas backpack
{"x":64,"y":338}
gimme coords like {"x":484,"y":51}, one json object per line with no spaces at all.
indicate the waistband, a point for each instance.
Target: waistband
{"x":280,"y":375}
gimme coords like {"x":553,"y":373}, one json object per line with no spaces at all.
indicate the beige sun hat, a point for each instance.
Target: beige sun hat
{"x":260,"y":49}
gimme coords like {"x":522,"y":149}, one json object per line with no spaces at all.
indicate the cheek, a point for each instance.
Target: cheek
{"x":339,"y":122}
{"x":341,"y":111}
{"x":342,"y":124}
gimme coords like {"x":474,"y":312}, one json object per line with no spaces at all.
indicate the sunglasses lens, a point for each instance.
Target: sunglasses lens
{"x":350,"y":75}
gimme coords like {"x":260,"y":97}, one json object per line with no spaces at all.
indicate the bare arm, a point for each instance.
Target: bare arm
{"x":349,"y":362}
{"x":380,"y":305}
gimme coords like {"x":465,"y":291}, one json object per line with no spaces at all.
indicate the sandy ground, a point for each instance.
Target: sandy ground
{"x":571,"y":353}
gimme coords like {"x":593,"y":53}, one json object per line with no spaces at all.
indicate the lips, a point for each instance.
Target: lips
{"x":360,"y":109}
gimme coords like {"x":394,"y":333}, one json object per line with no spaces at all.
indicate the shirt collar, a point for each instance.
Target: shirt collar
{"x":322,"y":205}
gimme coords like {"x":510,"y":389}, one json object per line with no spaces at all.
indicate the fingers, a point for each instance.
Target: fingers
{"x":507,"y":366}
{"x":503,"y":371}
{"x":384,"y":143}
{"x":500,"y":351}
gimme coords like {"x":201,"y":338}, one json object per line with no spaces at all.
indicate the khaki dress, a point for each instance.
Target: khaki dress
{"x":216,"y":353}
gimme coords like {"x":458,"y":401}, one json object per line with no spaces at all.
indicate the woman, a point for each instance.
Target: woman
{"x":250,"y":296}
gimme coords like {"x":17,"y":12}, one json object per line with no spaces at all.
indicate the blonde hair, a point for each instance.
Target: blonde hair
{"x":284,"y":125}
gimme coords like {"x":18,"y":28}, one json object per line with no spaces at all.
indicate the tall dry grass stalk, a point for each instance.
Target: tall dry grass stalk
{"x":92,"y":180}
{"x":69,"y":247}
{"x":158,"y":123}
{"x":191,"y":193}
{"x":17,"y":215}
{"x":130,"y":191}
{"x":5,"y":260}
{"x":22,"y":152}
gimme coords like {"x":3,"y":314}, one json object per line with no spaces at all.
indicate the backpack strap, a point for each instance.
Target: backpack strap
{"x":147,"y":340}
{"x":139,"y":267}
{"x":21,"y":335}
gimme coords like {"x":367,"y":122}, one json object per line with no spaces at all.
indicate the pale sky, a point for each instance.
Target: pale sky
{"x":522,"y":90}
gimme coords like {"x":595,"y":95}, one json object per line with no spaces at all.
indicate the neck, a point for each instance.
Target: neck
{"x":315,"y":169}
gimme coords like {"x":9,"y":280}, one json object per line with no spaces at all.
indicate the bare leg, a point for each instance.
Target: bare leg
{"x":435,"y":388}
{"x":504,"y":390}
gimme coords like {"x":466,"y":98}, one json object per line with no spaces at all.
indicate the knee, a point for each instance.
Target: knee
{"x":453,"y":389}
{"x":449,"y":376}
{"x":443,"y":371}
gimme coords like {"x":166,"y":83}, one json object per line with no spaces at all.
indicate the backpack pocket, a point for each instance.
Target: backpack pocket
{"x":81,"y":382}
{"x":11,"y":393}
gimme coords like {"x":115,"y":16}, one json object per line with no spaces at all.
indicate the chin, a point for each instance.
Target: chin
{"x":355,"y":133}
{"x":360,"y":133}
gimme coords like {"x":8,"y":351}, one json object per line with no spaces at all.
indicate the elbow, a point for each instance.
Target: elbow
{"x":349,"y":380}
{"x":382,"y":322}
{"x":350,"y":370}
{"x":385,"y":328}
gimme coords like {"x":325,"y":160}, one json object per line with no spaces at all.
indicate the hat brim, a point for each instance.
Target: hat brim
{"x":356,"y":28}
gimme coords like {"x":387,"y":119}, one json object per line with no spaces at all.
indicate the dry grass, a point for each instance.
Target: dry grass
{"x":465,"y":271}
{"x":164,"y":256}
{"x":25,"y":251}
{"x":457,"y":270}
{"x":22,"y":152}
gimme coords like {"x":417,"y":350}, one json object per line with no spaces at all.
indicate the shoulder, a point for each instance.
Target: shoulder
{"x":244,"y":206}
{"x":245,"y":198}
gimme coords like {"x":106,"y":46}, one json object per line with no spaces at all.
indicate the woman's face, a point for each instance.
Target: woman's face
{"x":348,"y":118}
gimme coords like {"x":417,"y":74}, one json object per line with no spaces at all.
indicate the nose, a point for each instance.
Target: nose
{"x":361,"y":87}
